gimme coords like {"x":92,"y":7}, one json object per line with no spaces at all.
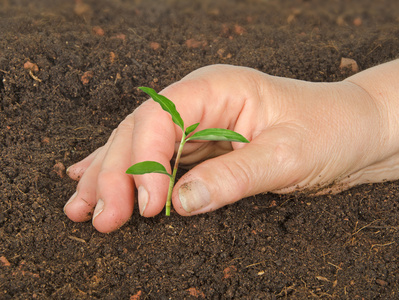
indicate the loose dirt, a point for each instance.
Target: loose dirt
{"x":69,"y":72}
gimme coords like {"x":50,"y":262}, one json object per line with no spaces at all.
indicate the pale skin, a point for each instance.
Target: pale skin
{"x":313,"y":137}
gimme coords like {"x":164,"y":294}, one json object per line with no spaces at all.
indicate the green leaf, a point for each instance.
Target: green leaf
{"x":145,"y":167}
{"x":218,"y":134}
{"x":191,"y":128}
{"x":166,"y":104}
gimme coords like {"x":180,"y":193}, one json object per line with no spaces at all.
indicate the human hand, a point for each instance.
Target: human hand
{"x":314,"y":137}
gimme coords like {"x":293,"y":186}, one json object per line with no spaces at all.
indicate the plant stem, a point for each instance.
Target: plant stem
{"x":173,"y":178}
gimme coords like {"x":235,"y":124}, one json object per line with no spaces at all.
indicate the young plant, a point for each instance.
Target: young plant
{"x":211,"y":134}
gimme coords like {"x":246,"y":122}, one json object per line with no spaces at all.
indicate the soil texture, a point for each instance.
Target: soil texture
{"x":69,"y":72}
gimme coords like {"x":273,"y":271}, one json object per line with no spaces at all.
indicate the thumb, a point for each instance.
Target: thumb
{"x":266,"y":164}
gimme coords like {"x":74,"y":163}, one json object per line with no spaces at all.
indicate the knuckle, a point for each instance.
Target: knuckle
{"x":239,"y":175}
{"x":285,"y":155}
{"x":107,"y":178}
{"x":126,"y":124}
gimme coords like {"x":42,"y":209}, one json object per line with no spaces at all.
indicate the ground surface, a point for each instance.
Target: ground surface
{"x":86,"y":60}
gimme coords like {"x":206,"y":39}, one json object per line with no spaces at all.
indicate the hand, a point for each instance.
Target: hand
{"x":311,"y":137}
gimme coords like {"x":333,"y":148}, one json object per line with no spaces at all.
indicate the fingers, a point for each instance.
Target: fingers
{"x":80,"y":206}
{"x":153,"y":139}
{"x":247,"y":171}
{"x":115,"y":189}
{"x":77,"y":170}
{"x":105,"y":192}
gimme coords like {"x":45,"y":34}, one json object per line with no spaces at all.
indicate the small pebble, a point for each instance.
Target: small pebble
{"x":4,"y":261}
{"x":59,"y":169}
{"x":381,"y":282}
{"x":31,"y":66}
{"x":97,"y":30}
{"x":349,"y":63}
{"x":155,"y":45}
{"x":192,"y":43}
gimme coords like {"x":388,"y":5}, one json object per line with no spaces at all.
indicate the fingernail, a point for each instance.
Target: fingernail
{"x":70,"y":199}
{"x":67,"y":170}
{"x":143,"y":199}
{"x":193,"y":196}
{"x":99,"y":208}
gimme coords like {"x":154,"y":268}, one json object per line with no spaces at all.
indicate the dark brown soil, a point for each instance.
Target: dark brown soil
{"x":86,"y":60}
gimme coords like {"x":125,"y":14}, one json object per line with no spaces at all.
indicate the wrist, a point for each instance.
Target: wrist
{"x":379,"y":84}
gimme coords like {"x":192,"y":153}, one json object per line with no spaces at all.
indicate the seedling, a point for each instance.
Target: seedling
{"x":210,"y":134}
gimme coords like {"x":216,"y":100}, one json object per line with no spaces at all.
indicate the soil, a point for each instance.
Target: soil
{"x":69,"y":72}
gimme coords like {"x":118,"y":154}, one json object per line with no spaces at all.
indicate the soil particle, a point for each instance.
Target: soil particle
{"x":348,"y":63}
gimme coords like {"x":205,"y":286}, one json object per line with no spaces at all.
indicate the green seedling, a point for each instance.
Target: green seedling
{"x":211,"y":134}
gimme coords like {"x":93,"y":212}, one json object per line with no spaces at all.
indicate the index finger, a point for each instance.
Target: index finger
{"x":153,"y":139}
